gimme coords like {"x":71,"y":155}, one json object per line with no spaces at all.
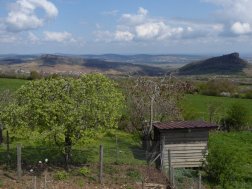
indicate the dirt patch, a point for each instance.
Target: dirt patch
{"x":115,"y":177}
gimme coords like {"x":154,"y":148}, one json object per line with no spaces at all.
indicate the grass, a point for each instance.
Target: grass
{"x":11,"y":84}
{"x":241,"y":144}
{"x":127,"y":150}
{"x":198,"y":105}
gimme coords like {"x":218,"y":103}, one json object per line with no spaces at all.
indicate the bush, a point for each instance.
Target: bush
{"x":224,"y":163}
{"x":61,"y":175}
{"x":84,"y":171}
{"x":217,"y":86}
{"x":236,"y":119}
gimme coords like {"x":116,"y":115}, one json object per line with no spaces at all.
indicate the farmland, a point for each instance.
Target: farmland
{"x":11,"y":84}
{"x":199,"y":104}
{"x":126,"y":148}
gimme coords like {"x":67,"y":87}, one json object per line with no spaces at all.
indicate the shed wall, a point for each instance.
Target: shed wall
{"x":187,"y":147}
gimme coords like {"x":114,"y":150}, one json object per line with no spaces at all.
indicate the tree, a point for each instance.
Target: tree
{"x":64,"y":109}
{"x":154,"y":99}
{"x":5,"y":99}
{"x":237,"y":117}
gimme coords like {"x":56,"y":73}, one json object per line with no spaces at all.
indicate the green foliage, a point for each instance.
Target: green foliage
{"x":226,"y":160}
{"x":200,"y":102}
{"x":216,"y":86}
{"x":64,"y":110}
{"x":35,"y":75}
{"x":84,"y":171}
{"x":237,"y":117}
{"x":61,"y":175}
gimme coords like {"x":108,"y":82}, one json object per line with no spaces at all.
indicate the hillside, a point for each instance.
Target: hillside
{"x":222,"y":65}
{"x":75,"y":65}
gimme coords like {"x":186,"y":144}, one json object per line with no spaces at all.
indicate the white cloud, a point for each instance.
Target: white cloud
{"x":123,"y":36}
{"x":235,"y":14}
{"x":241,"y":28}
{"x":58,"y":37}
{"x":141,"y":26}
{"x":133,"y":19}
{"x":22,"y":15}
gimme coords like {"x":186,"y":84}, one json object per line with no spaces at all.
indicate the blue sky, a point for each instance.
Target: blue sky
{"x":125,"y":27}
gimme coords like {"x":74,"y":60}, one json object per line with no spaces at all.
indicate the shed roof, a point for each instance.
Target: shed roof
{"x":184,"y":125}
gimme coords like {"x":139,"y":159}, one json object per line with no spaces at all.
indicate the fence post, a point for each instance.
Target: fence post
{"x":34,"y":182}
{"x":19,"y":166}
{"x":170,"y":167}
{"x":8,"y":148}
{"x":117,"y":152}
{"x":101,"y":165}
{"x":199,"y":186}
{"x":162,"y":152}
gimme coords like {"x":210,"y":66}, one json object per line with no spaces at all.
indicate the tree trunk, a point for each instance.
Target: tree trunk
{"x":68,"y":149}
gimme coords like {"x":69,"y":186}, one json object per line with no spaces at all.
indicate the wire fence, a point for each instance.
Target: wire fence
{"x":121,"y":163}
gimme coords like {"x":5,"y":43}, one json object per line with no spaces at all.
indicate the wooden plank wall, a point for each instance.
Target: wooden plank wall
{"x":185,"y":155}
{"x":187,"y":147}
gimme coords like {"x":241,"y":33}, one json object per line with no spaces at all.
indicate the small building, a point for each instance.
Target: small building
{"x":186,"y":141}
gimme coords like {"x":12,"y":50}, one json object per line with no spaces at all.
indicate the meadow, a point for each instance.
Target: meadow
{"x":125,"y":148}
{"x":198,"y":105}
{"x":11,"y":84}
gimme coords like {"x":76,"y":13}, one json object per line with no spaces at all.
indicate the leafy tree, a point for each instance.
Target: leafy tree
{"x":34,"y":75}
{"x":65,"y":109}
{"x":5,"y":99}
{"x":237,"y":117}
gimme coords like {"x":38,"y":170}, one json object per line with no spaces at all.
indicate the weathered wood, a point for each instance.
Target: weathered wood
{"x":101,"y":165}
{"x":182,"y":148}
{"x":170,"y":167}
{"x":203,"y":143}
{"x":199,"y":184}
{"x":19,"y":166}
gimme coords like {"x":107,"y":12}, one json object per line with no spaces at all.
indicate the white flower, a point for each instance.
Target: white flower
{"x":31,"y":170}
{"x":40,"y":162}
{"x":46,"y":160}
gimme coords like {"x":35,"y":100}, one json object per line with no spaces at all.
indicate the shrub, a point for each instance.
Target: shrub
{"x":237,"y":117}
{"x":61,"y":175}
{"x":217,"y":86}
{"x":84,"y":171}
{"x":224,"y":163}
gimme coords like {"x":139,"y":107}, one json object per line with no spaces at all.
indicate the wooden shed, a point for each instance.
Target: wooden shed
{"x":186,"y":141}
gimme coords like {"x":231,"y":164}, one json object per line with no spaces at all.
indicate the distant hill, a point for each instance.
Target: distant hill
{"x":50,"y":63}
{"x":222,"y":65}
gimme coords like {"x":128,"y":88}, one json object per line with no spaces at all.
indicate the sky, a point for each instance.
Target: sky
{"x":125,"y":27}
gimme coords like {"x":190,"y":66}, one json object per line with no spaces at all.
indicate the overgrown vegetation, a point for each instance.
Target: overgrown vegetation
{"x":229,"y":162}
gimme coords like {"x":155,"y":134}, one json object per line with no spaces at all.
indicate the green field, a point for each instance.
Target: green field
{"x":11,"y":84}
{"x":198,"y":105}
{"x":240,"y":146}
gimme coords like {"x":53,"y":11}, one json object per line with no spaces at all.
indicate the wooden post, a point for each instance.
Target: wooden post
{"x":101,"y":165}
{"x":19,"y":166}
{"x":199,"y":186}
{"x":162,"y":147}
{"x":117,"y":152}
{"x":8,"y":148}
{"x":170,"y":167}
{"x":34,"y":182}
{"x":173,"y":178}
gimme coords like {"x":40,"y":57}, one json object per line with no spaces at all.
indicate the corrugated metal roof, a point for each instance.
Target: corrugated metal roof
{"x":185,"y":125}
